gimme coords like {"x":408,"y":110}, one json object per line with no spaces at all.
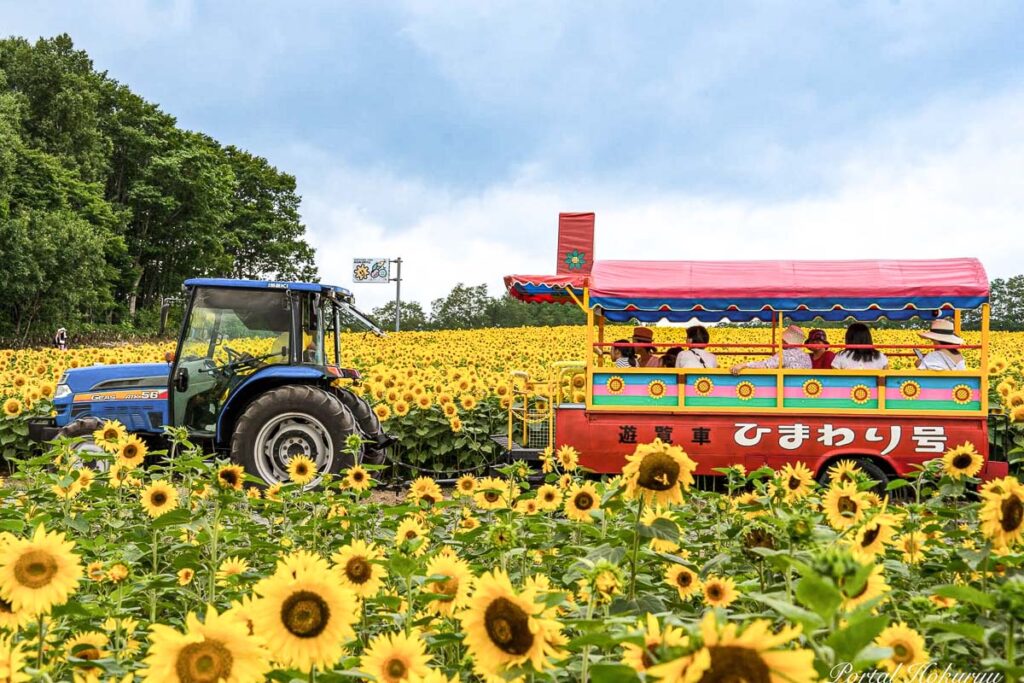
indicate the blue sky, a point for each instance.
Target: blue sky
{"x":452,"y":133}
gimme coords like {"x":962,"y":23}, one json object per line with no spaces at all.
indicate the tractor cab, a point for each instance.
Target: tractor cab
{"x":254,"y":375}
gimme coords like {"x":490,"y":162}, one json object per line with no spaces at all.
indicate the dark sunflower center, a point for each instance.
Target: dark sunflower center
{"x":229,"y":477}
{"x":870,"y":535}
{"x":508,"y":627}
{"x":396,"y":669}
{"x":358,"y":570}
{"x":714,"y":591}
{"x":86,"y":651}
{"x":35,"y":569}
{"x":962,"y":461}
{"x":6,"y":607}
{"x":684,"y":580}
{"x":205,"y":662}
{"x":759,"y":538}
{"x":448,"y":588}
{"x":301,"y":469}
{"x":583,"y":501}
{"x":428,"y":498}
{"x":1012,"y":513}
{"x":410,"y":535}
{"x":158,"y":498}
{"x":658,"y":472}
{"x":491,"y":496}
{"x":357,"y":477}
{"x":846,"y":505}
{"x":110,"y":435}
{"x":305,"y":614}
{"x":732,"y":664}
{"x":901,"y":653}
{"x":130,"y":451}
{"x":549,"y":497}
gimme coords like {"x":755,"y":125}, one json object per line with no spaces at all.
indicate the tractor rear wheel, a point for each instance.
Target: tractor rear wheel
{"x":83,"y":428}
{"x":287,"y":422}
{"x":376,"y":440}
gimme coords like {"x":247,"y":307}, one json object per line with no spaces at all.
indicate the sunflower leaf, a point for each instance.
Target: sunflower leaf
{"x":819,"y":595}
{"x":809,"y":620}
{"x":966,"y":594}
{"x":613,"y":673}
{"x":849,"y":642}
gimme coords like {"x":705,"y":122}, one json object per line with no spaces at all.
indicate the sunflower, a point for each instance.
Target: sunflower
{"x":131,"y":452}
{"x":453,"y":591}
{"x":10,"y":619}
{"x":304,"y":619}
{"x":639,"y":656}
{"x":117,"y":573}
{"x":411,"y":531}
{"x":912,"y":544}
{"x":382,"y":411}
{"x":465,"y":485}
{"x":872,"y":538}
{"x":110,"y":435}
{"x":797,"y":480}
{"x":301,"y":470}
{"x":357,"y":567}
{"x":659,"y":473}
{"x":88,"y":645}
{"x":357,"y":478}
{"x":661,"y":545}
{"x":962,"y":461}
{"x":683,"y":580}
{"x":185,"y":576}
{"x":395,"y":657}
{"x":568,"y":457}
{"x":754,"y":655}
{"x":232,"y":566}
{"x":425,"y":489}
{"x":216,"y":649}
{"x":493,"y":493}
{"x":506,"y":630}
{"x":843,"y":471}
{"x":1002,"y":511}
{"x":844,"y":505}
{"x":580,"y":501}
{"x":158,"y":498}
{"x":874,"y":586}
{"x":719,"y":591}
{"x":467,"y":402}
{"x":300,"y":563}
{"x":401,"y":408}
{"x":39,"y":573}
{"x":548,"y":497}
{"x":908,"y":650}
{"x":449,"y":410}
{"x":231,"y":477}
{"x":12,"y":660}
{"x":12,"y":407}
{"x":455,"y":424}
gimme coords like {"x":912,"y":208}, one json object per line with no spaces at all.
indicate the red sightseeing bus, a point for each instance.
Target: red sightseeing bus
{"x":888,"y":420}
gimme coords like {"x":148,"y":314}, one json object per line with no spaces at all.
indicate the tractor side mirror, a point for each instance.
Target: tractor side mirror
{"x":169,"y":356}
{"x":181,"y":379}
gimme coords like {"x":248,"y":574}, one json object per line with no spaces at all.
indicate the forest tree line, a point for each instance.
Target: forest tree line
{"x":106,"y":205}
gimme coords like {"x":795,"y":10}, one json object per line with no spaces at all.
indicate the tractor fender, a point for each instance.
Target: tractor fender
{"x":256,"y":384}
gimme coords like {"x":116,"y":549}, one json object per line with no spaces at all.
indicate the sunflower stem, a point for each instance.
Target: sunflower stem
{"x":585,"y":667}
{"x":214,"y":531}
{"x":153,"y":592}
{"x":42,"y":639}
{"x":636,"y":548}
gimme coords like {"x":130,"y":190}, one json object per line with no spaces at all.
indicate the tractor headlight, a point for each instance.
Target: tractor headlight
{"x":62,"y":391}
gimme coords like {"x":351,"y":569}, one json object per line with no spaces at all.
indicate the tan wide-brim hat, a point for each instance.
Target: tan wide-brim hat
{"x":793,"y":335}
{"x":642,"y":334}
{"x":943,"y":330}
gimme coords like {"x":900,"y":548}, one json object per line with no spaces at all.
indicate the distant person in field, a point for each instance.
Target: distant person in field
{"x":858,"y":334}
{"x":623,"y":356}
{"x":696,"y":356}
{"x":645,"y":356}
{"x":946,"y":355}
{"x":822,"y":357}
{"x":792,"y":356}
{"x":60,"y":340}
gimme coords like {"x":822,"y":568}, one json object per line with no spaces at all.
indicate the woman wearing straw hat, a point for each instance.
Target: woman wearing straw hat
{"x":792,"y":357}
{"x":946,"y":356}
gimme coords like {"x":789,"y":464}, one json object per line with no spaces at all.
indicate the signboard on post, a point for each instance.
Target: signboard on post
{"x":371,"y":270}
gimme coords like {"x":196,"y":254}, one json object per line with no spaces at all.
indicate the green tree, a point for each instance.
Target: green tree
{"x":463,"y":308}
{"x":413,"y":316}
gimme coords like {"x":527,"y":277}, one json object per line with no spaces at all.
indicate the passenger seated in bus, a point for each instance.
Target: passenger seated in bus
{"x":696,"y":356}
{"x":645,"y":356}
{"x":792,"y":357}
{"x":858,"y":334}
{"x":668,"y":359}
{"x":821,"y":358}
{"x":623,"y":356}
{"x":946,"y":355}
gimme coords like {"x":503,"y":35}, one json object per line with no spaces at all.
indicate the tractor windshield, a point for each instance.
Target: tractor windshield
{"x":230,"y":322}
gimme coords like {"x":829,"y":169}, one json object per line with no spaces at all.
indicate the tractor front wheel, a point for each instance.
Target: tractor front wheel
{"x":287,"y":422}
{"x":83,"y":428}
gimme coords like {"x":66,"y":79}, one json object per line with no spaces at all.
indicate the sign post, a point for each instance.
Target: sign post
{"x":378,"y":271}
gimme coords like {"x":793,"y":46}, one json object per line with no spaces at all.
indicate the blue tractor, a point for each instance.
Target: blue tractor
{"x":253,"y":377}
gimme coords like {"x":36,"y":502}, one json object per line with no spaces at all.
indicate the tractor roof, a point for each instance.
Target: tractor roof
{"x":340,"y":292}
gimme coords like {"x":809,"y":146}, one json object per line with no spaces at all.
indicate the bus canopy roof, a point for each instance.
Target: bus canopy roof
{"x":742,"y":291}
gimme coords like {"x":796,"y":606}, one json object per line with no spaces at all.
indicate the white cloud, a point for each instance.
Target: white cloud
{"x":946,"y":181}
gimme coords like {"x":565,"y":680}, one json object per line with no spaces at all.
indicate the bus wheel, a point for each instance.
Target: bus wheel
{"x":867,"y":466}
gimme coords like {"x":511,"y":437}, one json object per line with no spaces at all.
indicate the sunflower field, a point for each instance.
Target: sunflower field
{"x":187,"y":570}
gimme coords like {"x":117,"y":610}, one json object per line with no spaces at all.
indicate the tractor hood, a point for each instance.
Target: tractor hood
{"x":127,"y":376}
